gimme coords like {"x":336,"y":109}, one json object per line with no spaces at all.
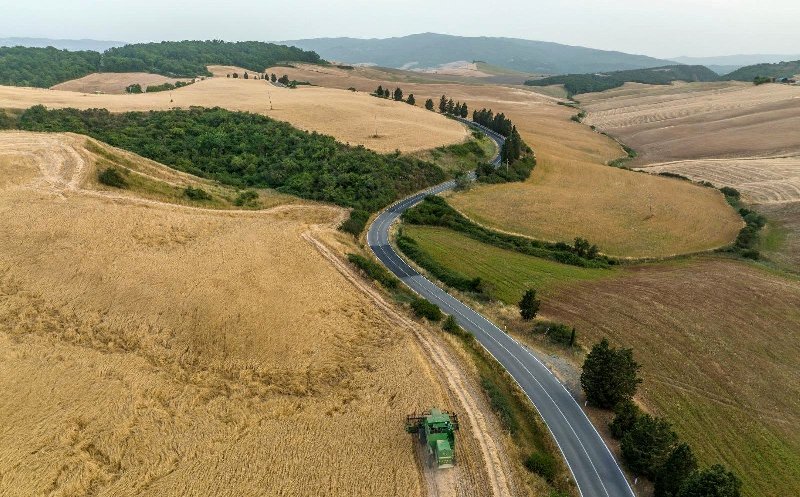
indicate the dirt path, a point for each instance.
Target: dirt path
{"x":441,"y":483}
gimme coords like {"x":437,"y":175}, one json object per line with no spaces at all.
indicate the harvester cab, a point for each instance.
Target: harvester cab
{"x":436,"y":430}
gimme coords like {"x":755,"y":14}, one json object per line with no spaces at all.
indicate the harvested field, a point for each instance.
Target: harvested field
{"x":761,"y":180}
{"x":158,"y":349}
{"x":571,"y":193}
{"x":349,"y":117}
{"x":781,"y":242}
{"x":699,"y":120}
{"x":114,"y":82}
{"x":718,"y":342}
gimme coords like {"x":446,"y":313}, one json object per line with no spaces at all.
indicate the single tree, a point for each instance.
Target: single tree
{"x":715,"y":481}
{"x":680,"y":464}
{"x":609,"y":375}
{"x":451,"y":106}
{"x":386,"y":93}
{"x":228,"y":75}
{"x":648,"y":444}
{"x":379,"y":91}
{"x":411,"y":100}
{"x":443,"y":104}
{"x":450,"y":325}
{"x":398,"y":94}
{"x":236,"y":75}
{"x":626,"y":414}
{"x":273,"y":78}
{"x":464,"y":110}
{"x":284,"y":80}
{"x":246,"y":76}
{"x":529,"y":305}
{"x":429,"y":104}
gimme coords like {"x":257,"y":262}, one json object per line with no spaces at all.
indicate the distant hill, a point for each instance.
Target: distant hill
{"x":431,"y":50}
{"x":728,"y":63}
{"x":72,"y":45}
{"x":45,"y":67}
{"x":595,"y":82}
{"x":779,"y":70}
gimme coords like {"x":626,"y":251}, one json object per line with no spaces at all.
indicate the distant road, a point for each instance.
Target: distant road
{"x":594,"y":468}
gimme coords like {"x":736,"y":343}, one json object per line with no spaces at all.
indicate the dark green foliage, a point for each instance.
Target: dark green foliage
{"x":284,"y":80}
{"x":760,"y":80}
{"x":715,"y":481}
{"x":112,"y":177}
{"x":500,"y":404}
{"x":161,"y":87}
{"x":542,"y":464}
{"x":435,"y":211}
{"x":520,"y":170}
{"x":583,"y":248}
{"x":557,"y":333}
{"x":463,"y":182}
{"x":196,"y":194}
{"x":498,"y":123}
{"x":529,"y":305}
{"x":134,"y":88}
{"x":464,"y":110}
{"x":730,"y":192}
{"x":44,"y":67}
{"x":429,"y":104}
{"x":626,"y":414}
{"x":356,"y":222}
{"x":678,"y":467}
{"x":451,"y":326}
{"x":249,"y":150}
{"x":648,"y":444}
{"x":190,"y":58}
{"x":777,"y":70}
{"x":248,"y":198}
{"x":374,"y":271}
{"x":411,"y":100}
{"x":578,"y":118}
{"x":273,"y":78}
{"x":379,"y":91}
{"x":443,"y":104}
{"x":424,"y":309}
{"x":595,"y":82}
{"x":398,"y":94}
{"x":609,"y":375}
{"x":446,"y":275}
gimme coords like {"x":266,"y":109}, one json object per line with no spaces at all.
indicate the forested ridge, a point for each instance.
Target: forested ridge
{"x":249,"y":150}
{"x":45,"y":67}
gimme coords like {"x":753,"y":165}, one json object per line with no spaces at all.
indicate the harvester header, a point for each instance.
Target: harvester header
{"x":436,"y":430}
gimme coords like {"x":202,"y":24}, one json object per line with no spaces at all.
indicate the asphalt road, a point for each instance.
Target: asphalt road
{"x":594,"y":468}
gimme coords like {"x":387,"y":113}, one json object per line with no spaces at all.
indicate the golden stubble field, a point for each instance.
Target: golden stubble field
{"x":157,"y":349}
{"x":731,"y":134}
{"x":718,"y":344}
{"x":350,"y":117}
{"x":114,"y":82}
{"x":571,"y":193}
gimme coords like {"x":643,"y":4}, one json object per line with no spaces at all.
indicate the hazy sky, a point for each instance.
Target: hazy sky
{"x":660,"y":28}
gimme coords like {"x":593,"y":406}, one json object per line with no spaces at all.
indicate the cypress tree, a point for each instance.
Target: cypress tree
{"x":443,"y":104}
{"x":429,"y":104}
{"x":529,"y":305}
{"x":411,"y":100}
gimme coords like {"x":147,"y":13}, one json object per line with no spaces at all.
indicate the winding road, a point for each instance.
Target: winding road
{"x":594,"y":468}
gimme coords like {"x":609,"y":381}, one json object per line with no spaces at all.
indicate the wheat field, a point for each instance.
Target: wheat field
{"x":350,"y":117}
{"x":114,"y":82}
{"x":156,"y":349}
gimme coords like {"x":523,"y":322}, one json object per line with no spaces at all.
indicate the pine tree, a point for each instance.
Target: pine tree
{"x":450,"y":106}
{"x":386,"y":93}
{"x":411,"y":100}
{"x":429,"y":104}
{"x":529,"y":305}
{"x":443,"y":104}
{"x":677,"y":469}
{"x":273,"y":78}
{"x":609,"y":375}
{"x":398,"y":94}
{"x":379,"y":91}
{"x":464,"y":111}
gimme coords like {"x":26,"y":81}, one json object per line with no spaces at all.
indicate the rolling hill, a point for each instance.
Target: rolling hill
{"x":725,"y":64}
{"x":589,"y":83}
{"x":777,"y":70}
{"x":430,"y":50}
{"x":72,"y":45}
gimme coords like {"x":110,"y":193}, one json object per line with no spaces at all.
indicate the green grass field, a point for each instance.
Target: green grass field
{"x":509,"y":273}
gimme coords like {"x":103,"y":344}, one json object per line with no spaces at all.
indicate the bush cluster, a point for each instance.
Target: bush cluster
{"x":112,"y":177}
{"x":557,"y":333}
{"x":374,"y":271}
{"x":424,"y":309}
{"x":196,"y":194}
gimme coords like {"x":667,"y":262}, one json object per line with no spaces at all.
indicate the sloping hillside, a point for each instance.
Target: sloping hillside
{"x":588,"y":83}
{"x":431,"y":50}
{"x":778,"y":70}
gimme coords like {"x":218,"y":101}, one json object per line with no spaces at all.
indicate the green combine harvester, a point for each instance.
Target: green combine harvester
{"x":436,"y":429}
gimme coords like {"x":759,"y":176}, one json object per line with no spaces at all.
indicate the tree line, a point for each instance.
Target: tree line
{"x":396,"y":95}
{"x":137,"y":88}
{"x":650,"y":447}
{"x":250,"y":150}
{"x":45,"y":67}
